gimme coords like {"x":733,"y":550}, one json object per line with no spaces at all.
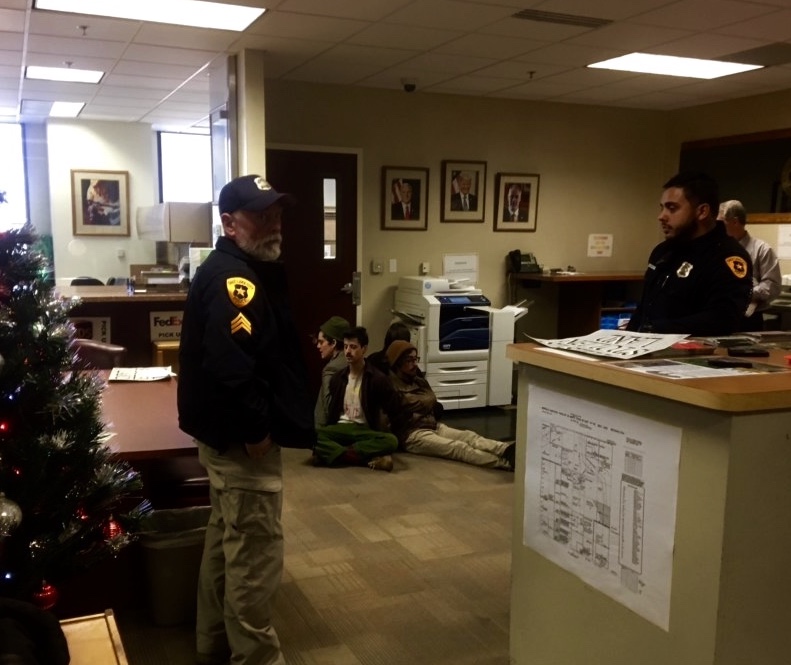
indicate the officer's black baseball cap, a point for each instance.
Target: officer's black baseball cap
{"x":250,"y":192}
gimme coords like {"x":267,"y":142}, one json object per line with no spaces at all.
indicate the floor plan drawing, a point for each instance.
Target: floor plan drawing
{"x":600,"y":497}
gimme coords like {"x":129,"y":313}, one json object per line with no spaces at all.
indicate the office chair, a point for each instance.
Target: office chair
{"x":90,"y":354}
{"x":86,"y":281}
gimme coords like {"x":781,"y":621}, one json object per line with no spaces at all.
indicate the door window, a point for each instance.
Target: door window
{"x":330,"y":233}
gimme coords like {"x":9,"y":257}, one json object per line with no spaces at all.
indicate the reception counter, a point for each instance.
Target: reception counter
{"x":719,"y":476}
{"x":108,"y":313}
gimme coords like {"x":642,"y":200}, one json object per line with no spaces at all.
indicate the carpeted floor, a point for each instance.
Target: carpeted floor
{"x":409,"y":567}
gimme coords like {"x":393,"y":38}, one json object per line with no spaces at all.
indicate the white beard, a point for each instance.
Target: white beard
{"x":267,"y":249}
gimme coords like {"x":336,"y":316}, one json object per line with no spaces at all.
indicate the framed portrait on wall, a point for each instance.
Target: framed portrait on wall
{"x":100,"y":203}
{"x":404,"y":198}
{"x":463,"y":191}
{"x":516,"y":202}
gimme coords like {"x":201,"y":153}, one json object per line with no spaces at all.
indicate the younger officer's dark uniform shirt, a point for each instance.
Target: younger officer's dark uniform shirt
{"x":698,"y":287}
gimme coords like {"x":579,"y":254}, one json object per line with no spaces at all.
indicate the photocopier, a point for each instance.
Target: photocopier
{"x":460,"y":338}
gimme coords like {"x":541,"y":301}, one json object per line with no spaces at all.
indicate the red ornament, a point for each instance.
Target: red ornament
{"x":112,"y":529}
{"x":46,"y":597}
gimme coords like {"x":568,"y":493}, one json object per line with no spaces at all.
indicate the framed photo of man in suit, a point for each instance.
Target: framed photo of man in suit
{"x":516,"y":202}
{"x":463,"y":191}
{"x":404,"y":198}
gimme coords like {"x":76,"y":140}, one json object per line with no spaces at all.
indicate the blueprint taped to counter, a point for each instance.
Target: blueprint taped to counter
{"x":620,"y":344}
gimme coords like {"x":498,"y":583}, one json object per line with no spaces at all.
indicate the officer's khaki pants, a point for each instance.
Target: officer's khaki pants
{"x":242,"y":559}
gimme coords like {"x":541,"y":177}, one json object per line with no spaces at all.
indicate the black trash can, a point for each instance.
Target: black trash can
{"x":172,"y":543}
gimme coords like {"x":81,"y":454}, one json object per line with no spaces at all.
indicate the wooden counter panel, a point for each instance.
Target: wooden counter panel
{"x":118,"y":294}
{"x":735,"y":394}
{"x":130,"y":324}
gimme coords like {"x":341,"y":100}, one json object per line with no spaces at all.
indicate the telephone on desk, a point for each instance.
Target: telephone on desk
{"x":519,"y":262}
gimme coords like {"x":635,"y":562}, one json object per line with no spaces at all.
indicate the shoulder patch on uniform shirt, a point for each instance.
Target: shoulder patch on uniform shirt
{"x":240,"y":290}
{"x":737,"y":265}
{"x":241,"y":323}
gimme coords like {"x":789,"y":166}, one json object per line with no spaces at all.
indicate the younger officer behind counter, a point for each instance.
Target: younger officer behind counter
{"x":242,"y":394}
{"x":699,"y":280}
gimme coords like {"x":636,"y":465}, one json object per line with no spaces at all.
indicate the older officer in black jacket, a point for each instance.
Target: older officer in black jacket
{"x":698,"y":280}
{"x":242,"y":394}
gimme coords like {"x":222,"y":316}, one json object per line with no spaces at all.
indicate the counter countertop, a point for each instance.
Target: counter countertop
{"x":737,"y":394}
{"x":589,"y":276}
{"x":118,"y":294}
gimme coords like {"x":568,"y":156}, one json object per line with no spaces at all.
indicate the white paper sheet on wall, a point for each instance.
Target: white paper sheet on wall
{"x":783,"y":241}
{"x":461,"y":267}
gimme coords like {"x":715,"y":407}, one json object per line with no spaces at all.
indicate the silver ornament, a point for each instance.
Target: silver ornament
{"x":10,"y":515}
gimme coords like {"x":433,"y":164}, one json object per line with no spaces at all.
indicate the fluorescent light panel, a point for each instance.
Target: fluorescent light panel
{"x":65,"y":109}
{"x":194,"y":13}
{"x":69,"y":74}
{"x":670,"y":65}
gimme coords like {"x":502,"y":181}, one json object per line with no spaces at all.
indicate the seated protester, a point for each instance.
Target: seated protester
{"x":416,"y":424}
{"x":359,"y":394}
{"x":397,"y":330}
{"x":329,"y":342}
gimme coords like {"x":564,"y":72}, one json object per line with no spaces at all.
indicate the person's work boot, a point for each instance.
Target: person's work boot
{"x":509,"y":454}
{"x":383,"y":463}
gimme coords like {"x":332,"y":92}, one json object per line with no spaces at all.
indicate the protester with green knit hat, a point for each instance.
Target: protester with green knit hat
{"x":329,"y":342}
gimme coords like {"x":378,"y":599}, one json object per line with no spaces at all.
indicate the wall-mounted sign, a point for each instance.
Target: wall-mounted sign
{"x":92,"y":327}
{"x":165,"y":326}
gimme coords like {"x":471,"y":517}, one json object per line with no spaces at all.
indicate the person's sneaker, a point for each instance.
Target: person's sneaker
{"x":384,"y":463}
{"x":509,"y":454}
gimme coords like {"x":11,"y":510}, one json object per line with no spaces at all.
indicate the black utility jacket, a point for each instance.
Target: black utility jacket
{"x":699,"y":287}
{"x":242,"y":375}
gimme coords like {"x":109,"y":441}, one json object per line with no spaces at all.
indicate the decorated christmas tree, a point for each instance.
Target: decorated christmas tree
{"x":66,"y":501}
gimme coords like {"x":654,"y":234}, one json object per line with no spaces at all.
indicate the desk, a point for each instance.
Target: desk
{"x":571,"y":305}
{"x":142,"y":416}
{"x":730,"y":584}
{"x":130,"y":316}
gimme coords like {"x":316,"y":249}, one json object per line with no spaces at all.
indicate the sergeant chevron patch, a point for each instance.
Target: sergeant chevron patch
{"x":241,"y":323}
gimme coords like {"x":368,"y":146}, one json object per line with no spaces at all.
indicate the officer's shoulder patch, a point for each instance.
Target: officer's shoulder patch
{"x":240,"y":290}
{"x":737,"y":265}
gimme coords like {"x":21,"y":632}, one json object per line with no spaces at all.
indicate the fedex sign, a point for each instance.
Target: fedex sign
{"x":165,"y":326}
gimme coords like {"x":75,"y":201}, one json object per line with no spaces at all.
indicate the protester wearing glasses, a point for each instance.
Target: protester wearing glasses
{"x":417,"y":424}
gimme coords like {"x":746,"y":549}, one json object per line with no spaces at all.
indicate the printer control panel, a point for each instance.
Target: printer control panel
{"x":463,"y":300}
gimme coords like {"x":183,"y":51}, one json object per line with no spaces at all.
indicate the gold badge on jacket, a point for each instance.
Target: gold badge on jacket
{"x":241,"y":323}
{"x":737,"y":265}
{"x":240,"y":290}
{"x":684,"y":269}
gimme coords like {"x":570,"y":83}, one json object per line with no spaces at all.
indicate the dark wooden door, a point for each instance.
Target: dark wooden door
{"x":319,"y":238}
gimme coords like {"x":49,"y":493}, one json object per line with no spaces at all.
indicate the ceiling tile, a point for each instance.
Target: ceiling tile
{"x":465,"y":47}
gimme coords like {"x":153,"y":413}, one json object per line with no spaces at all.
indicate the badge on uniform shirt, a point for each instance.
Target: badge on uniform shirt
{"x":684,"y":269}
{"x":240,"y":290}
{"x":737,"y":265}
{"x":241,"y":323}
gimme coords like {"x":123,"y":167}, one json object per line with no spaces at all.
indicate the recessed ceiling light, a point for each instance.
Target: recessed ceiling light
{"x":195,"y":13}
{"x":65,"y":109}
{"x":669,"y":65}
{"x":63,"y":74}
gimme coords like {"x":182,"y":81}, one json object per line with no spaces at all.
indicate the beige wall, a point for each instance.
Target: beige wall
{"x":99,"y":146}
{"x":601,"y":170}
